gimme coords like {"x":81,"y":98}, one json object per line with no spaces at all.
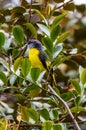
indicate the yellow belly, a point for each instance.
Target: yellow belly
{"x":34,"y":58}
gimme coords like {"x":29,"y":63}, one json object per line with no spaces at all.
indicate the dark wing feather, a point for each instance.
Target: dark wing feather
{"x":43,"y":59}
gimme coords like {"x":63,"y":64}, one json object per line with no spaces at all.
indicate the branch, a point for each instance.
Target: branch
{"x":66,"y":106}
{"x":64,"y":4}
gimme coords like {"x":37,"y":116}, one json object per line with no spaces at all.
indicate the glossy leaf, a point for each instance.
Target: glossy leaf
{"x":2,"y":39}
{"x":83,"y":76}
{"x":26,"y":65}
{"x":63,"y":37}
{"x":17,"y":63}
{"x":58,"y":19}
{"x":24,"y":114}
{"x":76,"y":86}
{"x":45,"y":114}
{"x":5,"y":64}
{"x":55,"y":114}
{"x":32,"y":29}
{"x":44,"y":29}
{"x":35,"y":72}
{"x":3,"y":78}
{"x":48,"y":44}
{"x":18,"y":33}
{"x":55,"y":32}
{"x":57,"y":50}
{"x":77,"y":109}
{"x":60,"y":126}
{"x":48,"y":125}
{"x":33,"y":114}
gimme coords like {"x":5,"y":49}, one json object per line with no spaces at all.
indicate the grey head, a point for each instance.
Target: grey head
{"x":35,"y":44}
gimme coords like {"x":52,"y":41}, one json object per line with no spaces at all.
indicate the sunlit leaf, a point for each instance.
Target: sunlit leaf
{"x":48,"y":125}
{"x":26,"y":65}
{"x":32,"y":29}
{"x":2,"y":39}
{"x":44,"y":29}
{"x":2,"y":124}
{"x":17,"y":63}
{"x":83,"y":76}
{"x":18,"y":33}
{"x":3,"y":78}
{"x":57,"y":50}
{"x":76,"y":86}
{"x":24,"y":114}
{"x":77,"y":109}
{"x":4,"y":63}
{"x":35,"y":72}
{"x":62,"y":37}
{"x":58,"y":19}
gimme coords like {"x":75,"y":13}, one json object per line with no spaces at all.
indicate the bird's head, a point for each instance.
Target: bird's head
{"x":35,"y":44}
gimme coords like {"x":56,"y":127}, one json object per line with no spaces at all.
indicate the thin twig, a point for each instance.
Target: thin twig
{"x":64,"y":4}
{"x":66,"y":106}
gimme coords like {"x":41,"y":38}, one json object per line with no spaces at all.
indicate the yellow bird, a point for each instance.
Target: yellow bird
{"x":38,"y":58}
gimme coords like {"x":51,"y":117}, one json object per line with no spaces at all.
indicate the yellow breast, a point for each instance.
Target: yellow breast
{"x":34,"y":58}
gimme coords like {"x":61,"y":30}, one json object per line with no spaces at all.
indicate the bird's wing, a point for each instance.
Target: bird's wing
{"x":43,"y":59}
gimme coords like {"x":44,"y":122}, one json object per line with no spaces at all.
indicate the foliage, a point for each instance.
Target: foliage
{"x":25,"y":96}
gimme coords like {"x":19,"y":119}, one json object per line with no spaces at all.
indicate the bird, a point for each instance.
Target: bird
{"x":39,"y":58}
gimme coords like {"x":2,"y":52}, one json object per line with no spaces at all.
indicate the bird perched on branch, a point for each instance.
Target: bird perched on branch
{"x":37,"y":56}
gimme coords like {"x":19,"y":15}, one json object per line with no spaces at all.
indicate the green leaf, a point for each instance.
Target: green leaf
{"x":55,"y":114}
{"x":44,"y":29}
{"x":17,"y":63}
{"x":48,"y":44}
{"x":26,"y":65}
{"x":33,"y":114}
{"x":67,"y":96}
{"x":59,"y":126}
{"x":58,"y":19}
{"x":69,"y":6}
{"x":7,"y":44}
{"x":2,"y":124}
{"x":62,"y":37}
{"x":18,"y":33}
{"x":47,"y":125}
{"x":57,"y":50}
{"x":4,"y":63}
{"x":41,"y":15}
{"x":45,"y":114}
{"x":15,"y":53}
{"x":32,"y":29}
{"x":35,"y":72}
{"x":55,"y":32}
{"x":77,"y":109}
{"x":3,"y":78}
{"x":2,"y":39}
{"x":83,"y":76}
{"x":12,"y":79}
{"x":76,"y":86}
{"x":24,"y":114}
